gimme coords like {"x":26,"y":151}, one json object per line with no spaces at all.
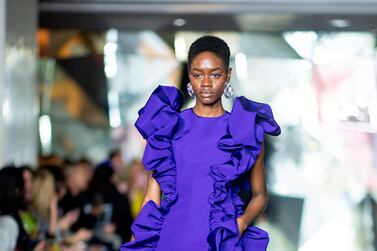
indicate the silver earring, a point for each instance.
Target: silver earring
{"x":228,"y":91}
{"x":190,"y":90}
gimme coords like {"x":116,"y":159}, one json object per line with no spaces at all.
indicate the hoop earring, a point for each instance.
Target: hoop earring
{"x":228,"y":91}
{"x":190,"y":90}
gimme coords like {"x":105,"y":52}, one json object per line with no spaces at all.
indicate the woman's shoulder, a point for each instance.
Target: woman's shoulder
{"x":7,"y":220}
{"x":8,"y":228}
{"x":246,"y":112}
{"x":252,"y":105}
{"x":160,"y":111}
{"x":165,"y":95}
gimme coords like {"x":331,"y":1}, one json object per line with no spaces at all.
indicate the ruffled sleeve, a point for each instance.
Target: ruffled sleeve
{"x":247,"y":124}
{"x":157,"y":123}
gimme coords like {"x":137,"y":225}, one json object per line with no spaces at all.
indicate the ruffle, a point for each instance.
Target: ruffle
{"x":248,"y":122}
{"x":157,"y":123}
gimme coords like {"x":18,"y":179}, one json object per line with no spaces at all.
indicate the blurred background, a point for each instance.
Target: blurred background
{"x":74,"y":73}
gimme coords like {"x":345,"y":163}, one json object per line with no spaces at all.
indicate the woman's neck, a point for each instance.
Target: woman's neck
{"x":209,"y":110}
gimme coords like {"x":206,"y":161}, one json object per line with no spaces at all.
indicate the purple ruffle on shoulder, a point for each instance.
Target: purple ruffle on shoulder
{"x":248,"y":122}
{"x":157,"y":122}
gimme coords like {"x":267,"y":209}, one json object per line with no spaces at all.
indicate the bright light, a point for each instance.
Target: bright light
{"x":45,"y":133}
{"x":111,"y":66}
{"x":109,"y":50}
{"x":114,"y":112}
{"x":114,"y":118}
{"x":302,"y":42}
{"x":111,"y":70}
{"x":112,"y":35}
{"x":6,"y":108}
{"x":241,"y":66}
{"x":180,"y":48}
{"x":340,"y":23}
{"x":179,"y":22}
{"x":342,"y":47}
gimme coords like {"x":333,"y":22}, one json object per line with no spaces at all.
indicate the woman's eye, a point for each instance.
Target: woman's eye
{"x":197,"y":76}
{"x":216,"y":75}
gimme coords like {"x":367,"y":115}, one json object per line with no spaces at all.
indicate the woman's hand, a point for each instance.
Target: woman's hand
{"x":40,"y":246}
{"x":242,"y":225}
{"x":69,"y":219}
{"x":109,"y":229}
{"x":80,"y":235}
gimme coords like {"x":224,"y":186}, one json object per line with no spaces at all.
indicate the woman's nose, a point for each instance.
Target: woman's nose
{"x":206,"y":81}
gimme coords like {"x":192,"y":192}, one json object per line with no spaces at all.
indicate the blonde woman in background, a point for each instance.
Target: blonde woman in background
{"x":44,"y":202}
{"x":44,"y":207}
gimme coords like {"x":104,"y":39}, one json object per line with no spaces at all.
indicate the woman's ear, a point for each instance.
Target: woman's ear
{"x":229,"y":74}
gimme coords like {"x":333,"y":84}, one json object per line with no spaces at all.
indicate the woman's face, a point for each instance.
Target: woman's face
{"x":28,"y":184}
{"x":208,"y":77}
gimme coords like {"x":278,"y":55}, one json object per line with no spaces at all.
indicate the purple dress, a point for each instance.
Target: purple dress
{"x":201,"y":163}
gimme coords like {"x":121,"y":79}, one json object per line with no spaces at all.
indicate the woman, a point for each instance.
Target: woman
{"x":10,"y":198}
{"x":14,"y":234}
{"x":44,"y":204}
{"x":200,"y":158}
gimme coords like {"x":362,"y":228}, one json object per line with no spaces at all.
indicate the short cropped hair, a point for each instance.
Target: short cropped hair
{"x":212,"y":44}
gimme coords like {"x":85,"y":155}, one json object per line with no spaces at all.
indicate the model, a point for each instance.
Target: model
{"x":199,"y":159}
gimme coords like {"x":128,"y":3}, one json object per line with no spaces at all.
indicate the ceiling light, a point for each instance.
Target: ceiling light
{"x":179,"y":22}
{"x":340,"y":23}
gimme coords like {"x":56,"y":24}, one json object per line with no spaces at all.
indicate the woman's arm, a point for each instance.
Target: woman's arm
{"x":259,"y":198}
{"x":153,"y":192}
{"x":53,"y":219}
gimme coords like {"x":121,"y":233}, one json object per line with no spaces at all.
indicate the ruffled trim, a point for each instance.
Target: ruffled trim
{"x":157,"y":123}
{"x":243,"y":140}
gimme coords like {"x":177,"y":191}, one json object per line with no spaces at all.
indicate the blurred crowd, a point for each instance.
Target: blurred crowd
{"x":69,"y":205}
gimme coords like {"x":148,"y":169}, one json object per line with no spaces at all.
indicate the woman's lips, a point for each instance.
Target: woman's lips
{"x":206,"y":94}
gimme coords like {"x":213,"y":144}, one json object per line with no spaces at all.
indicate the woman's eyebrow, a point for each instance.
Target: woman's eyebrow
{"x":214,"y":69}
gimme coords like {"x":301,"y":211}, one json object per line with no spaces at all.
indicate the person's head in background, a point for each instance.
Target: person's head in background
{"x":208,"y":69}
{"x":88,"y":165}
{"x":59,"y":180}
{"x":27,"y":174}
{"x":102,"y":188}
{"x":11,"y":190}
{"x":116,"y":160}
{"x":103,"y":176}
{"x":76,"y":177}
{"x":43,"y":193}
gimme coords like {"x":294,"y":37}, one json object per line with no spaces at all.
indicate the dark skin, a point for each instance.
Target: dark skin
{"x":208,"y":76}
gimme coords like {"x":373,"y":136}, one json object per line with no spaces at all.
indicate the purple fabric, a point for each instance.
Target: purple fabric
{"x":200,"y":164}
